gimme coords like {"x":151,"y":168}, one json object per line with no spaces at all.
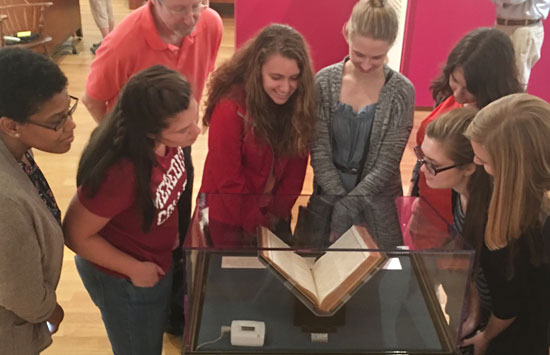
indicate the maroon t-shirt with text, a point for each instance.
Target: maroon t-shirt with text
{"x":116,"y":199}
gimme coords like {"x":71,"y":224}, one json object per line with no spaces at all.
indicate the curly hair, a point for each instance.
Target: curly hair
{"x":289,"y":128}
{"x":28,"y":80}
{"x":487,"y":57}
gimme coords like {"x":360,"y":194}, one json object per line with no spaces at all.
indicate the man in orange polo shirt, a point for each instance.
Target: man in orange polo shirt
{"x":184,"y":35}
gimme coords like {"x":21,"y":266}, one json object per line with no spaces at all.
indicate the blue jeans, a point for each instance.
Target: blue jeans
{"x":134,"y":317}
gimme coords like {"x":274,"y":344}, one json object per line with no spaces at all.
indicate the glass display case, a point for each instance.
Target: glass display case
{"x":292,"y":275}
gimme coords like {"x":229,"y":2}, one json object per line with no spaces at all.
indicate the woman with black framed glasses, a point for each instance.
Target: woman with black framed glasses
{"x":35,"y":112}
{"x":58,"y":120}
{"x":446,"y":158}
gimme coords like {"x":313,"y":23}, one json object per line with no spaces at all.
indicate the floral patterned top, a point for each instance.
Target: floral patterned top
{"x":39,"y":181}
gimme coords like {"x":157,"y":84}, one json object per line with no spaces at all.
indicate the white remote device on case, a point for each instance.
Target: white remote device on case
{"x":247,"y":333}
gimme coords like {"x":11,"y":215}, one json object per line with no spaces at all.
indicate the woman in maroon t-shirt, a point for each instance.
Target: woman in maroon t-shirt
{"x":123,"y":222}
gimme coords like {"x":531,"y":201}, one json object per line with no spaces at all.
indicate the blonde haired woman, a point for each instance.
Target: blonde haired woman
{"x":510,"y":139}
{"x":365,"y":115}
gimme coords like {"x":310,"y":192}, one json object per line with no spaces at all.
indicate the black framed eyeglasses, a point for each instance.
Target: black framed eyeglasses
{"x":61,"y":121}
{"x":429,"y":166}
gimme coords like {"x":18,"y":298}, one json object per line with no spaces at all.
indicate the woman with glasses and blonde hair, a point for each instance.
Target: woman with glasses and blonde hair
{"x":35,"y":113}
{"x":364,"y":119}
{"x":510,"y":140}
{"x":446,"y":158}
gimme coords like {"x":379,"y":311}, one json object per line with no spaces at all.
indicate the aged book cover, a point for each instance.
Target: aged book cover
{"x":328,"y":282}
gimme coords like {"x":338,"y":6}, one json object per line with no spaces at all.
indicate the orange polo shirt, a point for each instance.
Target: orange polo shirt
{"x":135,"y":45}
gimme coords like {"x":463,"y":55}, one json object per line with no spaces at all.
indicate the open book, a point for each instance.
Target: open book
{"x":328,"y":282}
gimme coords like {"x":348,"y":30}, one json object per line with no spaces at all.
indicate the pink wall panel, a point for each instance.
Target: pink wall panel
{"x":434,"y":26}
{"x":320,"y":21}
{"x":539,"y":83}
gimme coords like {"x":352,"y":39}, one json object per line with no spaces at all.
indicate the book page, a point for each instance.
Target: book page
{"x":291,"y":265}
{"x":333,"y":268}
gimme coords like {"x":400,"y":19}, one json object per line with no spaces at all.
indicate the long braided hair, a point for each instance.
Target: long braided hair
{"x":147,"y":102}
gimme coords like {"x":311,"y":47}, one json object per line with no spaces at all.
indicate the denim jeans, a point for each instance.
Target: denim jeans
{"x":134,"y":317}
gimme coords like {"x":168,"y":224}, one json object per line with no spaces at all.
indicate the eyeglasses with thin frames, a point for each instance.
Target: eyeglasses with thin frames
{"x":195,"y":9}
{"x":61,"y":121}
{"x":429,"y":166}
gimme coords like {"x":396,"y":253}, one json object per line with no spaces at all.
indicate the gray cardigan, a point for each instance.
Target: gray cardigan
{"x":31,"y":253}
{"x":381,"y":177}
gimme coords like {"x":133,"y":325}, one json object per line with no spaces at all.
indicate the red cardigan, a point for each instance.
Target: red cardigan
{"x":238,"y":165}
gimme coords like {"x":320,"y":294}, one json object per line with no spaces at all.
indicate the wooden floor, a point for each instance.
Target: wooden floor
{"x":82,"y":331}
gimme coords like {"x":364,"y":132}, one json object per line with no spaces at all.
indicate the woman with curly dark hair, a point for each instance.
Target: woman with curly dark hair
{"x":261,"y":118}
{"x":480,"y":69}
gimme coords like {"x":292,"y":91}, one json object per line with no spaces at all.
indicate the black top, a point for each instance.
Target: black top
{"x":525,"y":294}
{"x":480,"y":280}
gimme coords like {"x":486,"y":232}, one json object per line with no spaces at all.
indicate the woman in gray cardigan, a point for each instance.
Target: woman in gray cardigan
{"x":365,"y":115}
{"x":35,"y":112}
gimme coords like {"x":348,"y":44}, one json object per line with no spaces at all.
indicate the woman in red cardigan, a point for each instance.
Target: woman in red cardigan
{"x":479,"y":70}
{"x":261,"y":115}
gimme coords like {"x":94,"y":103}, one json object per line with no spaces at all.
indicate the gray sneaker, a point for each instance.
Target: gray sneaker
{"x":94,"y":47}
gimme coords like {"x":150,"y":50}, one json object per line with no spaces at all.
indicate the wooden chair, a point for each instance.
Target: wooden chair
{"x":25,"y":16}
